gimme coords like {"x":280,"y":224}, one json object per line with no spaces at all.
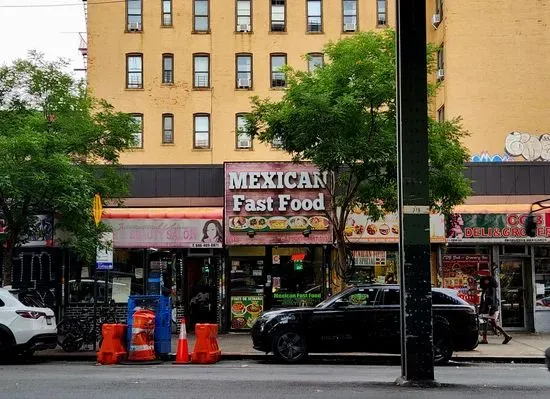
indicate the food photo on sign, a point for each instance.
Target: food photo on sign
{"x":462,"y":272}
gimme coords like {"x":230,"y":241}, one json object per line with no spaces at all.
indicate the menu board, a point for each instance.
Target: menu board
{"x":245,"y":310}
{"x":460,"y":272}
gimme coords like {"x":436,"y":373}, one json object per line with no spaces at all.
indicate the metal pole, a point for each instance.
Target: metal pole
{"x":417,"y":364}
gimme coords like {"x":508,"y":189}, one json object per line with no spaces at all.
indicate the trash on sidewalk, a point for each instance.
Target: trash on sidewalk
{"x":206,"y":350}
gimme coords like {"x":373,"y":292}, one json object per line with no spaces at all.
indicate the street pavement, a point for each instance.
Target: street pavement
{"x":524,"y":347}
{"x":258,"y":380}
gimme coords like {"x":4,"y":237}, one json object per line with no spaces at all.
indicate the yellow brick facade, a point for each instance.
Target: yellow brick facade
{"x":496,"y":69}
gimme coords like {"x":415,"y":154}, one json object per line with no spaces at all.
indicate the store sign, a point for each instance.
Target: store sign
{"x":360,"y":228}
{"x":245,"y":310}
{"x":166,"y":233}
{"x":104,"y":255}
{"x":495,"y":227}
{"x":276,"y":203}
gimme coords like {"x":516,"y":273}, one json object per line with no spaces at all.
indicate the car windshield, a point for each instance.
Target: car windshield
{"x":327,"y":302}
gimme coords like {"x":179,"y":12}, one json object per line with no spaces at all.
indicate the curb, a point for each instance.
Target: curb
{"x":335,"y":358}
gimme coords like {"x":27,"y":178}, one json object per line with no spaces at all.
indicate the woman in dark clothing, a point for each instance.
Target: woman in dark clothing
{"x":489,"y":308}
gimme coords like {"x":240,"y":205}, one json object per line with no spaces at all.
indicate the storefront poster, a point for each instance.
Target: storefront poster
{"x":276,"y":203}
{"x":461,"y":272}
{"x":360,"y":228}
{"x":495,"y":228}
{"x":166,"y":233}
{"x":245,"y":310}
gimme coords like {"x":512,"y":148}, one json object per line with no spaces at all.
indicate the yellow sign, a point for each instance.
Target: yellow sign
{"x":98,"y":209}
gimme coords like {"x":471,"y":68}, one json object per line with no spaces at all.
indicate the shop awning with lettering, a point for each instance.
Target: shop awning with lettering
{"x":163,"y":213}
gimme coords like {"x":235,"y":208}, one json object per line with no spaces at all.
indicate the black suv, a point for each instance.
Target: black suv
{"x":365,"y":318}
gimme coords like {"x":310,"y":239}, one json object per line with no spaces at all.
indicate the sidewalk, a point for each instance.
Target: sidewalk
{"x":524,"y":347}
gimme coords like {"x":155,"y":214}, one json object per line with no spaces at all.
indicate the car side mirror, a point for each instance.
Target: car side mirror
{"x":341,"y":303}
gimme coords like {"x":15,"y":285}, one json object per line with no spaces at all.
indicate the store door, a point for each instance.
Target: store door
{"x":201,"y":291}
{"x":512,"y":293}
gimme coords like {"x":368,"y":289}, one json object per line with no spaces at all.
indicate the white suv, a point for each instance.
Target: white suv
{"x":24,"y":329}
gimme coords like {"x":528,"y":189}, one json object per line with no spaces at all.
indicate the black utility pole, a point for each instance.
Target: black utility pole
{"x":417,"y":363}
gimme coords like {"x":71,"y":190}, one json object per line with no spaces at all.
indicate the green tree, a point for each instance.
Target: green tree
{"x":58,"y":147}
{"x":342,"y":117}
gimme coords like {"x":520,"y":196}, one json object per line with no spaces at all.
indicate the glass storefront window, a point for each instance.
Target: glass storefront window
{"x":542,"y":276}
{"x":375,"y":267}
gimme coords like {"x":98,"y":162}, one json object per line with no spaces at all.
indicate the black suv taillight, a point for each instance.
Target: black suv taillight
{"x":29,"y":314}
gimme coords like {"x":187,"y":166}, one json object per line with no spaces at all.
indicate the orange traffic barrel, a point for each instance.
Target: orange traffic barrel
{"x":142,"y":345}
{"x":206,"y":350}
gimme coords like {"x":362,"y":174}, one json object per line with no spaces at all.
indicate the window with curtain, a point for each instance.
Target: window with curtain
{"x":201,"y":71}
{"x":134,"y":71}
{"x":278,"y":12}
{"x":349,"y":10}
{"x":166,"y":12}
{"x":314,"y":16}
{"x":244,"y":71}
{"x":244,"y":140}
{"x":167,"y":129}
{"x":201,"y":137}
{"x":167,"y":68}
{"x":201,"y":19}
{"x":278,"y":78}
{"x":244,"y":16}
{"x":134,"y":15}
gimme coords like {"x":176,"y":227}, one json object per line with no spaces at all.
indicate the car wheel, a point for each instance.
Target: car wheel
{"x":290,"y":346}
{"x":443,"y":350}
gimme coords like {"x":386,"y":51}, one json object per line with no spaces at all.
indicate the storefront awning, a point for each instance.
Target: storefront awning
{"x":492,"y":208}
{"x":163,"y":213}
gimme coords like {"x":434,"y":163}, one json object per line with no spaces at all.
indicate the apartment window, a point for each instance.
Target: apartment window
{"x":278,"y":14}
{"x":278,"y":78}
{"x":201,"y":21}
{"x":166,"y":12}
{"x":349,"y":10}
{"x":440,"y":58}
{"x":381,"y":12}
{"x":134,"y":71}
{"x":244,"y":71}
{"x":201,"y":71}
{"x":134,"y":17}
{"x":201,"y":129}
{"x":167,"y":129}
{"x":244,"y":16}
{"x":441,"y":114}
{"x":244,"y":140}
{"x":138,"y":135}
{"x":314,"y":16}
{"x":315,"y":60}
{"x":168,"y":68}
{"x":439,"y":8}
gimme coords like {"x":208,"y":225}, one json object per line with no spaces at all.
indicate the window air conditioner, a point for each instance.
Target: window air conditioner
{"x":244,"y":143}
{"x":243,"y":28}
{"x":350,"y":27}
{"x":436,"y":19}
{"x":440,"y":74}
{"x":134,"y":26}
{"x":243,"y":83}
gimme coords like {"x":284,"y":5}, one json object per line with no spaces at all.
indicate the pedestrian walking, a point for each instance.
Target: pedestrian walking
{"x":488,"y":308}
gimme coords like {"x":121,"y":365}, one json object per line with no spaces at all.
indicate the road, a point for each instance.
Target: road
{"x":243,"y":380}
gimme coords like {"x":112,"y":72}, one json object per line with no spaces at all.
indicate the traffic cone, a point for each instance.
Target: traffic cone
{"x":182,"y":355}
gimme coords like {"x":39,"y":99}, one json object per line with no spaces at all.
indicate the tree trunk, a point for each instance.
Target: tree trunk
{"x":7,"y":265}
{"x":341,"y":264}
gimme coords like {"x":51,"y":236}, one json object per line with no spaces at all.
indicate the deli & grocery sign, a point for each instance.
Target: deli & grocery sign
{"x":495,"y":227}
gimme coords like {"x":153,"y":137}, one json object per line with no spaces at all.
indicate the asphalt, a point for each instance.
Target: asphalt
{"x":524,"y":348}
{"x":252,"y":380}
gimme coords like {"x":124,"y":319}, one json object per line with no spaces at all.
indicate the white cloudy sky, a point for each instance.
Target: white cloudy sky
{"x":49,"y":26}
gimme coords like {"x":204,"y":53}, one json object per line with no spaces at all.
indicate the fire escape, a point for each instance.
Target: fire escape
{"x":83,"y":47}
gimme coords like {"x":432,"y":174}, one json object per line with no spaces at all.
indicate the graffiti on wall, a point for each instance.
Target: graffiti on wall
{"x":34,"y":274}
{"x":519,"y":146}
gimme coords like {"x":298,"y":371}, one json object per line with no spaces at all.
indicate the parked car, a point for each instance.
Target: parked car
{"x":365,"y":318}
{"x":24,"y":329}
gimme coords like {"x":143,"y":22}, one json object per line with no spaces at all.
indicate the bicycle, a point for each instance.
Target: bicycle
{"x":74,"y":333}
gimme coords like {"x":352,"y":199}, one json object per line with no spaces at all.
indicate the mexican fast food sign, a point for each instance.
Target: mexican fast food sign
{"x":276,"y":203}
